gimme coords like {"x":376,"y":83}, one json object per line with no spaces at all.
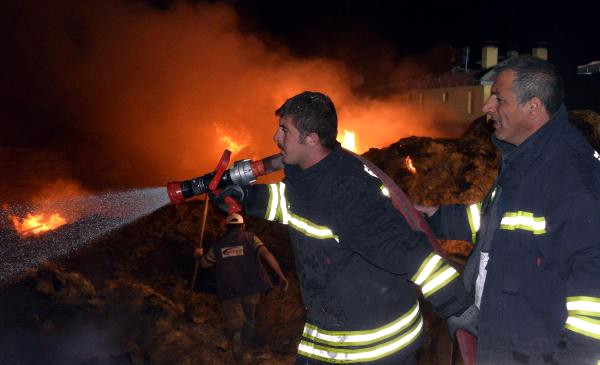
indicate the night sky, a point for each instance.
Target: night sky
{"x":136,"y":89}
{"x":379,"y":29}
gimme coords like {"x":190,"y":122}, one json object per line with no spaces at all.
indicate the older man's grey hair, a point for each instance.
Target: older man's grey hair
{"x":535,"y":77}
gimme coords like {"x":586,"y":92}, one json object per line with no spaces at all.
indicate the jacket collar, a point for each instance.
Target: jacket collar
{"x":314,"y":173}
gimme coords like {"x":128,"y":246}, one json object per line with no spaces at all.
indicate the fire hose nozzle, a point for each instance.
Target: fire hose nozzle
{"x":243,"y":172}
{"x":175,"y":193}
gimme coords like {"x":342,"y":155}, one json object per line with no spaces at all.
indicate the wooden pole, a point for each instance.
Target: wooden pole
{"x":202,"y":227}
{"x":188,"y":309}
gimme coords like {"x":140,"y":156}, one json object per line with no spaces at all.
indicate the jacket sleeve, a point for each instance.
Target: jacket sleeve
{"x":579,"y":254}
{"x":368,"y":224}
{"x":456,"y":222}
{"x":257,"y":200}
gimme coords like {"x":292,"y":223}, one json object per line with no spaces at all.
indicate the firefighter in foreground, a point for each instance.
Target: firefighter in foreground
{"x":241,"y":278}
{"x":356,"y":256}
{"x":535,"y":269}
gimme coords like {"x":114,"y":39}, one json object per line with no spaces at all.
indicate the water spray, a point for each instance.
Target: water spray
{"x":89,"y":217}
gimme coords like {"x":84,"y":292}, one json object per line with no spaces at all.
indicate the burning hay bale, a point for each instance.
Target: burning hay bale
{"x":588,"y":123}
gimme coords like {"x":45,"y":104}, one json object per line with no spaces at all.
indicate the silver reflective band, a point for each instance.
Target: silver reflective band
{"x":356,"y":338}
{"x":585,"y":326}
{"x":439,"y":281}
{"x":523,"y":220}
{"x":278,"y":203}
{"x":338,"y":355}
{"x":584,"y":316}
{"x":384,"y":191}
{"x":431,"y":263}
{"x":475,"y":215}
{"x":434,"y":274}
{"x":368,"y":171}
{"x":310,"y":229}
{"x":597,"y":155}
{"x":583,"y":305}
{"x":474,"y":218}
{"x":283,"y":204}
{"x":273,"y":202}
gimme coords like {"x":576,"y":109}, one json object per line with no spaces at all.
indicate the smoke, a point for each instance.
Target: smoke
{"x":136,"y":96}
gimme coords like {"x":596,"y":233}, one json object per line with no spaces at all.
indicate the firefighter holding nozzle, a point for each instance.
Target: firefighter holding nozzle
{"x":534,"y":273}
{"x":241,"y":278}
{"x":356,"y":256}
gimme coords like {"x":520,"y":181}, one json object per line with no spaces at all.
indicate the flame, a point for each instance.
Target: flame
{"x":409,"y":165}
{"x":228,"y":141}
{"x":348,"y":141}
{"x":35,"y":224}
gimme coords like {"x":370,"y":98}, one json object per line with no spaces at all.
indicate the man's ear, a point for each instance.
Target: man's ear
{"x":536,"y":109}
{"x":535,"y":105}
{"x":312,"y":139}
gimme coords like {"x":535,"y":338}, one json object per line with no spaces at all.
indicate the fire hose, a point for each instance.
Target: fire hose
{"x":245,"y":172}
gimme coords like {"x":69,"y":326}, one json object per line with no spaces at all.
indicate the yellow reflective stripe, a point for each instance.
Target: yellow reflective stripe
{"x":474,"y":217}
{"x":285,"y":216}
{"x":439,"y":280}
{"x":583,"y":305}
{"x":584,"y":325}
{"x":309,"y":228}
{"x":365,"y":337}
{"x":523,"y":220}
{"x":384,"y":191}
{"x":336,"y":355}
{"x":431,"y":263}
{"x":368,"y":171}
{"x":271,"y":212}
{"x":299,"y":223}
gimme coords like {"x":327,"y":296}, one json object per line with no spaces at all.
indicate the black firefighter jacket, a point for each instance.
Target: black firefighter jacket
{"x":540,"y":223}
{"x":356,"y":258}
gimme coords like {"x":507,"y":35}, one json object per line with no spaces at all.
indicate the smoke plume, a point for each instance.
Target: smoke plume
{"x":135,"y":96}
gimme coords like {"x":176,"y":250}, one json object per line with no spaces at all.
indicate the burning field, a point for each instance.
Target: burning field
{"x":124,"y":298}
{"x":116,"y":95}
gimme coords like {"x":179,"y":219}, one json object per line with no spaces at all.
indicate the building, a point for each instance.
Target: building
{"x":589,"y":68}
{"x":457,"y":96}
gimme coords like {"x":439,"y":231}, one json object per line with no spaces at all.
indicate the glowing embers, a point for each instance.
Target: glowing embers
{"x":408,"y":164}
{"x":36,"y":224}
{"x":348,"y":140}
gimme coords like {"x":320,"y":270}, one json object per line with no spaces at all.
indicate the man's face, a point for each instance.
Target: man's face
{"x":287,"y":137}
{"x":510,"y":119}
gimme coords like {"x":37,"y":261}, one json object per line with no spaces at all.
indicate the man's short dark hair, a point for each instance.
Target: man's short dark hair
{"x":535,"y":77}
{"x":312,"y":112}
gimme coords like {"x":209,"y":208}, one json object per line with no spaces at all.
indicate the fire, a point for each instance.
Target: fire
{"x":35,"y":224}
{"x":409,"y":165}
{"x":348,"y":141}
{"x":228,"y":141}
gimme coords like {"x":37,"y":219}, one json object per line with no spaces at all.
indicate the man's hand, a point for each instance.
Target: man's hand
{"x":235,"y":191}
{"x":429,"y":211}
{"x":467,"y":321}
{"x":283,"y":283}
{"x":198,"y":252}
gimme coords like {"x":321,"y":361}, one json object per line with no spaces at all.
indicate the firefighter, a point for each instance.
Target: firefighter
{"x":535,"y":269}
{"x":241,"y":278}
{"x":356,"y":255}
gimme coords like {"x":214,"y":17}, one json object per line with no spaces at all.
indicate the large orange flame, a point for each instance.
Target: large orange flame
{"x":36,"y":224}
{"x":348,"y":140}
{"x":228,"y":141}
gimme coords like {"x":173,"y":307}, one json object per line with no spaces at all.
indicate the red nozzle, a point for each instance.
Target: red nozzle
{"x":175,"y":193}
